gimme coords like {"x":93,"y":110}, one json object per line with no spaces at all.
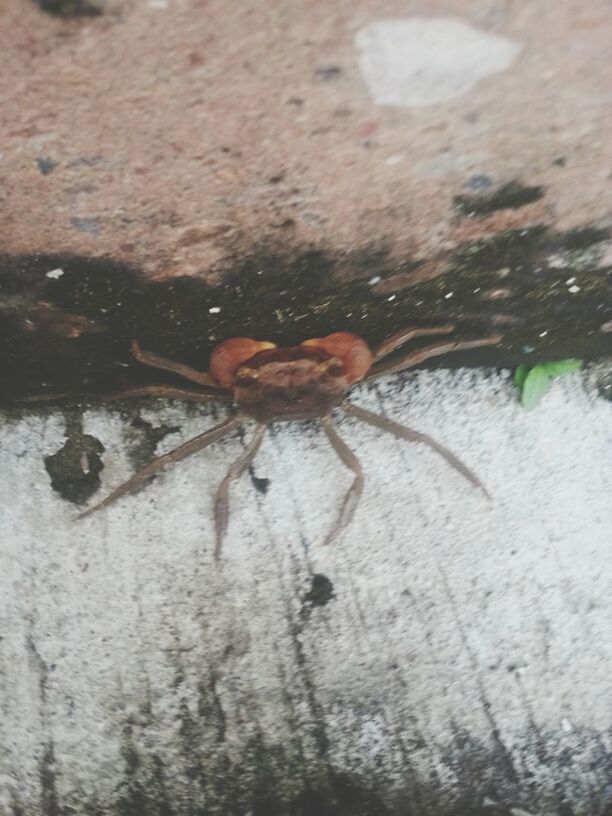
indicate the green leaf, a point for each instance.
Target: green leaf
{"x":520,"y":375}
{"x":562,"y":367}
{"x":535,"y":386}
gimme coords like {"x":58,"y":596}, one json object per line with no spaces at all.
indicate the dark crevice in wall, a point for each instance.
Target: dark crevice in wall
{"x":70,"y":332}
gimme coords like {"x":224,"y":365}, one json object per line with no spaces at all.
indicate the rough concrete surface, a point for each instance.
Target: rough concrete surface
{"x":443,"y":656}
{"x":184,"y":171}
{"x":180,"y":140}
{"x":176,"y":134}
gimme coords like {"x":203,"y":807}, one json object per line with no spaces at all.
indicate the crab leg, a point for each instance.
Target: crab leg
{"x":404,"y":335}
{"x":194,"y":445}
{"x":351,"y":500}
{"x":154,"y":360}
{"x":413,"y":358}
{"x":401,"y":432}
{"x":222,"y":497}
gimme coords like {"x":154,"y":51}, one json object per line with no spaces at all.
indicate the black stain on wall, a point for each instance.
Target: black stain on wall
{"x":508,"y":196}
{"x":70,"y":332}
{"x":70,"y":8}
{"x":75,"y":468}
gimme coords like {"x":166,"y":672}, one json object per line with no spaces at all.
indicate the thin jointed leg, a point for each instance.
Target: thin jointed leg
{"x":167,"y":392}
{"x":351,"y":500}
{"x":160,"y":391}
{"x":413,"y":358}
{"x":154,"y":360}
{"x":401,"y":432}
{"x":194,"y":445}
{"x":222,"y":497}
{"x":404,"y":335}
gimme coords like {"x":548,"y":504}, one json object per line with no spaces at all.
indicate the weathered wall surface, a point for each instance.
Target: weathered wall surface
{"x":181,"y":171}
{"x":291,"y":168}
{"x":444,"y":656}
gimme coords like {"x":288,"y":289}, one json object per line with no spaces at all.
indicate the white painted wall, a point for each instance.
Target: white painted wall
{"x":463,"y":660}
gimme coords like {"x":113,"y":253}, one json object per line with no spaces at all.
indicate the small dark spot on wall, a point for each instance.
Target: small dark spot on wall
{"x":584,"y":237}
{"x":145,"y":440}
{"x":46,"y":165}
{"x":295,"y":100}
{"x":90,"y":225}
{"x":327,"y":73}
{"x":286,"y":224}
{"x":342,"y":797}
{"x":560,"y":162}
{"x":509,"y":196}
{"x":260,"y":484}
{"x":478,"y":183}
{"x":277,"y":178}
{"x":75,"y":469}
{"x":70,"y":8}
{"x":321,"y":591}
{"x":49,"y":798}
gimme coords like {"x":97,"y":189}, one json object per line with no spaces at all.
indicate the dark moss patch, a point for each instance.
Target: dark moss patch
{"x":75,"y":469}
{"x":70,"y":8}
{"x":509,"y":196}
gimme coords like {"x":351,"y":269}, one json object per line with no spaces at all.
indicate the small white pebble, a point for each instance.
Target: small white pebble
{"x":448,"y":295}
{"x":566,"y":725}
{"x":374,"y":280}
{"x":569,"y":281}
{"x":543,"y":334}
{"x":574,"y":289}
{"x":392,"y":297}
{"x":55,"y":274}
{"x":214,"y":310}
{"x":477,"y":289}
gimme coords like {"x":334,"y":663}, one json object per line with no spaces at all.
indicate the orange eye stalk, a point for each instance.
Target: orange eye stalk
{"x":229,"y":355}
{"x":351,"y":350}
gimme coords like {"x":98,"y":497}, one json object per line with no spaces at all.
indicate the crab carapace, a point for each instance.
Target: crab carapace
{"x":266,"y":383}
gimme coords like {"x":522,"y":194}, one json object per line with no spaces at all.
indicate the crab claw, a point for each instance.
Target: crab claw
{"x":229,"y":355}
{"x":353,"y":352}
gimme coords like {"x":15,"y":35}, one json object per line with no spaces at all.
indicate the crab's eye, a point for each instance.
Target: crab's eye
{"x":352,"y":351}
{"x":229,"y":355}
{"x":245,"y":377}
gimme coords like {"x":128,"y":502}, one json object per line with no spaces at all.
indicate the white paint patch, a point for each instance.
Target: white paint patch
{"x":55,"y":274}
{"x":417,"y":62}
{"x":448,"y":612}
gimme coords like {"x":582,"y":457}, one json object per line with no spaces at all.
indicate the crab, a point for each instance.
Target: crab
{"x":267,"y":383}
